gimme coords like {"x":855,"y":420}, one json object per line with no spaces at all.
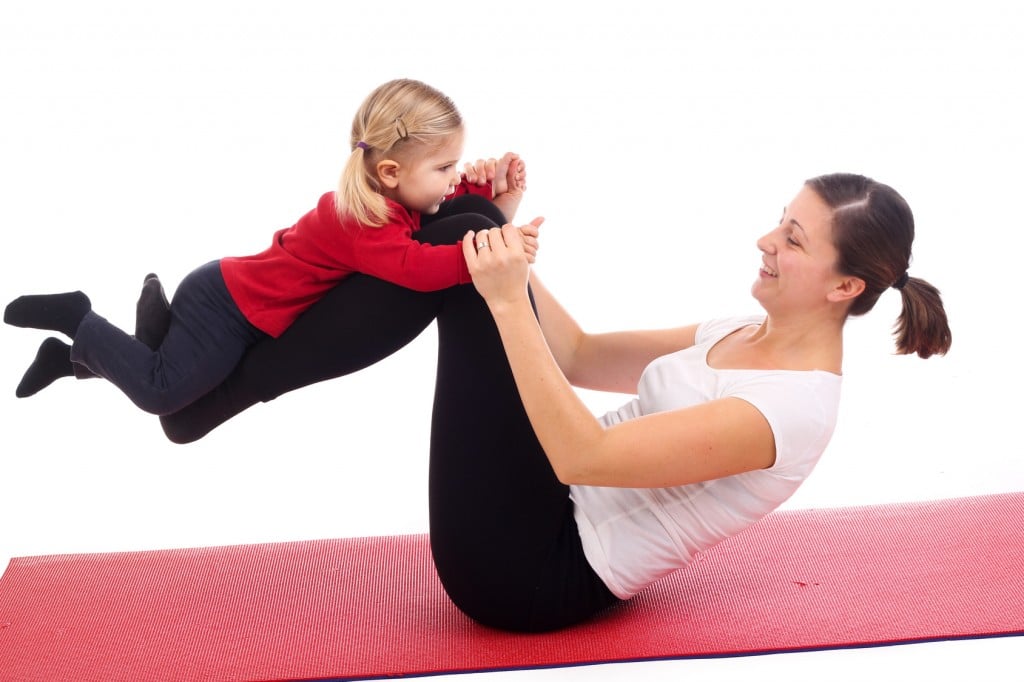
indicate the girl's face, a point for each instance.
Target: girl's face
{"x":798,"y":270}
{"x":423,"y":181}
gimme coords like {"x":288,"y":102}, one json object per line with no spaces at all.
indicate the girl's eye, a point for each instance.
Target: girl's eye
{"x":792,"y":241}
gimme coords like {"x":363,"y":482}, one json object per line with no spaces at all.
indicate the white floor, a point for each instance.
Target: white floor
{"x":659,"y":148}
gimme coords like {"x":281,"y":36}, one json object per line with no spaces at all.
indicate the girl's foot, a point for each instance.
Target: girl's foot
{"x":152,"y":313}
{"x":58,"y":312}
{"x":53,"y":361}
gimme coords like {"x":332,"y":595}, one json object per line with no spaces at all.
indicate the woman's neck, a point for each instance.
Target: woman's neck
{"x":800,"y":343}
{"x":789,"y":344}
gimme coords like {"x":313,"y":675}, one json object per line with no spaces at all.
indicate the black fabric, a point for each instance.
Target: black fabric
{"x":52,"y":362}
{"x":207,"y":338}
{"x":55,"y":312}
{"x":356,"y":324}
{"x":502,"y":532}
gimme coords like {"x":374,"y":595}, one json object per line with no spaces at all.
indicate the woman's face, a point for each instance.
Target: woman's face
{"x":798,"y":259}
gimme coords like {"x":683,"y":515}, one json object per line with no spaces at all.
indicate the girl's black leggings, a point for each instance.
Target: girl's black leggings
{"x":502,"y":532}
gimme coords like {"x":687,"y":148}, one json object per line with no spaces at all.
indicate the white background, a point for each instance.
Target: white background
{"x":139,"y":137}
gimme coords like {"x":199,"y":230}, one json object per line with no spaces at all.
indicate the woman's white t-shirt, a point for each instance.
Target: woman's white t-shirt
{"x":634,"y":536}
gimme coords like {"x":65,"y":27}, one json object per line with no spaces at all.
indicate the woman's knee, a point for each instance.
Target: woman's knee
{"x":468,"y":203}
{"x":474,"y":203}
{"x":469,"y":212}
{"x":452,"y":230}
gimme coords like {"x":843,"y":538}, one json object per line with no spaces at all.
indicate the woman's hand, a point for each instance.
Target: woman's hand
{"x":499,"y":261}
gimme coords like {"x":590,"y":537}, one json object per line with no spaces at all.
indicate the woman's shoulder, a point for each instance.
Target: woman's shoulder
{"x":711,"y":331}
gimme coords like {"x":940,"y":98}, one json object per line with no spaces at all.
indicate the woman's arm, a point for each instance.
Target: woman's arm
{"x":712,"y":440}
{"x":611,"y":361}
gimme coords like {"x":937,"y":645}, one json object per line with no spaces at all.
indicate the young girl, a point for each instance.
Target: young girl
{"x":406,"y":142}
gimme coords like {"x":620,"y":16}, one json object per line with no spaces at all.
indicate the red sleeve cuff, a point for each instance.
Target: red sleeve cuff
{"x":485,"y":190}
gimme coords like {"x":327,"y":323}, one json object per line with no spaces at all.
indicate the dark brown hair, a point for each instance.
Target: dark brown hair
{"x":873,"y":231}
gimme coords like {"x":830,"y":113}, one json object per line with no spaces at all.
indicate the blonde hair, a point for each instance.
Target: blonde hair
{"x":393,"y":121}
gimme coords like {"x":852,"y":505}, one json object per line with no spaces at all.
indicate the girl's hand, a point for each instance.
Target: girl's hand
{"x":530,"y":233}
{"x":507,"y":176}
{"x":509,"y":184}
{"x":499,"y":264}
{"x":481,"y":172}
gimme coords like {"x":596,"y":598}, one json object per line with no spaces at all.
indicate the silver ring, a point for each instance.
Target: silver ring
{"x":480,"y":245}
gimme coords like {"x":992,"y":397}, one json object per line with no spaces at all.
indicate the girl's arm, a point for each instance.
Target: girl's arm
{"x":716,"y":439}
{"x":610,"y":361}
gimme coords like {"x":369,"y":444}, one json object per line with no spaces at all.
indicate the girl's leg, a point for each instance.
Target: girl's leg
{"x":206,"y":338}
{"x":57,"y":312}
{"x":53,"y":360}
{"x":359,"y":322}
{"x":502,"y":531}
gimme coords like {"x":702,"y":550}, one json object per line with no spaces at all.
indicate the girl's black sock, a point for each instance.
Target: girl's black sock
{"x":53,"y":361}
{"x":152,"y":313}
{"x":57,"y":312}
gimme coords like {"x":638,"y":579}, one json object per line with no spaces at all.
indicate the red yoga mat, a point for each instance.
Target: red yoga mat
{"x":372,"y":607}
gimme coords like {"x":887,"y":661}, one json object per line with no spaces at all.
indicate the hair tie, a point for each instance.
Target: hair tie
{"x":362,"y":145}
{"x":902,"y":281}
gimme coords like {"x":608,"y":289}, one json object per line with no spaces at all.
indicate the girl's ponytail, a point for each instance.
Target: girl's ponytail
{"x":395,"y":121}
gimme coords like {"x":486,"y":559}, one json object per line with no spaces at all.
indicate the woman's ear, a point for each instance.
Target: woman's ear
{"x":847,"y":289}
{"x":387,"y":173}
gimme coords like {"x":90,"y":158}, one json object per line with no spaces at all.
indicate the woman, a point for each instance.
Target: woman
{"x":542,"y":515}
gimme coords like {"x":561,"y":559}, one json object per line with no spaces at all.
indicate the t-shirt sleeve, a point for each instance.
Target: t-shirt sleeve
{"x":801,"y":409}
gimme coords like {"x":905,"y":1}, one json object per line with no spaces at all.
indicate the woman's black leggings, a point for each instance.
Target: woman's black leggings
{"x":502,"y":532}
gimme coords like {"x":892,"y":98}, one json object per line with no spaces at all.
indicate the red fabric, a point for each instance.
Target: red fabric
{"x":372,"y":607}
{"x":306,"y":260}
